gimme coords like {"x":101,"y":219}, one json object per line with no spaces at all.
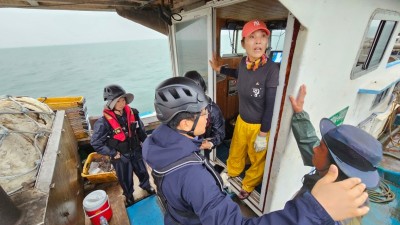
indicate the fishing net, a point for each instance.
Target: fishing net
{"x":25,"y":125}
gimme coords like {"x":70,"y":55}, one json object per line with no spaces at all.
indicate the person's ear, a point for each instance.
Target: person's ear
{"x":185,"y":124}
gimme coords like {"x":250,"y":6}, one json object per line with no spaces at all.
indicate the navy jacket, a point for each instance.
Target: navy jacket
{"x":216,"y":132}
{"x":193,"y":188}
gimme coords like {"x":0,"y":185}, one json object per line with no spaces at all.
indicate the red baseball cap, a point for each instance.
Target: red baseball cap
{"x":252,"y":26}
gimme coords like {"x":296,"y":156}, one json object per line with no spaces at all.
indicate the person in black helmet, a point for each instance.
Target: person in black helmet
{"x":191,"y":191}
{"x":215,"y":129}
{"x":119,"y":134}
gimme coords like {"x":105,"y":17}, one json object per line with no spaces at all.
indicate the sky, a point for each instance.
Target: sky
{"x":35,"y":27}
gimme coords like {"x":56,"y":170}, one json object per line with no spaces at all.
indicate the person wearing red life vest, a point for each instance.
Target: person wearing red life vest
{"x":119,"y":133}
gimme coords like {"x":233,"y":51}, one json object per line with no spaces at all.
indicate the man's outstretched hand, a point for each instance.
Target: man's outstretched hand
{"x":342,"y":199}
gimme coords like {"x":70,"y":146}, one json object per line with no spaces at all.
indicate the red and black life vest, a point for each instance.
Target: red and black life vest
{"x":110,"y":116}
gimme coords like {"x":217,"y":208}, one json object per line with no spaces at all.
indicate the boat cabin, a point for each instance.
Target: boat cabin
{"x":346,"y":52}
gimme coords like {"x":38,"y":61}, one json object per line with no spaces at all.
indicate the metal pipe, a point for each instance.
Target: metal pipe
{"x":384,"y":139}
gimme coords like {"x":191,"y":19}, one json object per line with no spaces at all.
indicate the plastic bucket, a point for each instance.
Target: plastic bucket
{"x":96,"y":205}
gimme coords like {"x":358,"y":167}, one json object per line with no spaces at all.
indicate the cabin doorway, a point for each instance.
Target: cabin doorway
{"x":228,"y":35}
{"x":218,"y":30}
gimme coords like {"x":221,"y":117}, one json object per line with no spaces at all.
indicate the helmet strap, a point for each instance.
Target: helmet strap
{"x":191,"y":132}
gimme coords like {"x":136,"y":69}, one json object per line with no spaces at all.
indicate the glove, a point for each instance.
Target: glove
{"x":225,"y":180}
{"x":260,"y":144}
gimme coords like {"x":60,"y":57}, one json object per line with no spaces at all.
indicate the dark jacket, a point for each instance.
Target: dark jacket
{"x":216,"y":131}
{"x":102,"y":132}
{"x":257,"y":92}
{"x":193,"y":188}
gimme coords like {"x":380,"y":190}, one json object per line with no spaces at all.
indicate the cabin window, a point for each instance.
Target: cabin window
{"x":395,"y":54}
{"x":231,"y":43}
{"x":191,"y":46}
{"x":276,"y":45}
{"x":380,"y":97}
{"x":374,"y":44}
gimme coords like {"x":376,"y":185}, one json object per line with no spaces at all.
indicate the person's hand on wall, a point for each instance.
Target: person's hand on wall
{"x":297,"y":104}
{"x":215,"y":64}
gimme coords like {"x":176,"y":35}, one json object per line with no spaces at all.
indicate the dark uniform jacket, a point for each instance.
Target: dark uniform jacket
{"x":194,"y":189}
{"x":215,"y":131}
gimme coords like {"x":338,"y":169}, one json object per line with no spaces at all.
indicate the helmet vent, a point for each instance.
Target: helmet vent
{"x":162,"y":96}
{"x":187,"y":92}
{"x":174,"y":93}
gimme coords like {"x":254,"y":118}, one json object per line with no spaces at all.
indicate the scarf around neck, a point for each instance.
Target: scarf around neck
{"x":254,"y":65}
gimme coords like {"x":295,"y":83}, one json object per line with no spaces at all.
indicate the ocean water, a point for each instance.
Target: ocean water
{"x":85,"y":69}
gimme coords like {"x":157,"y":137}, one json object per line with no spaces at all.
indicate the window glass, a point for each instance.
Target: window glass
{"x":191,"y":46}
{"x":240,"y":49}
{"x":230,"y":43}
{"x":379,"y":98}
{"x":374,"y":45}
{"x":368,"y":41}
{"x":277,"y":40}
{"x":395,"y":55}
{"x":226,"y":45}
{"x":381,"y":44}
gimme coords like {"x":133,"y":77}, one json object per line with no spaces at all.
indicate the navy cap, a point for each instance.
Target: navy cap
{"x":356,"y":153}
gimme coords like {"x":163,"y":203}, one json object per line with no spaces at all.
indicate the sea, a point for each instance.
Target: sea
{"x":85,"y":69}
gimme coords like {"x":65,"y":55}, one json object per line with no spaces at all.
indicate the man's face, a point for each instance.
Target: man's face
{"x":120,"y":104}
{"x":321,"y":157}
{"x":256,"y":44}
{"x":201,"y":123}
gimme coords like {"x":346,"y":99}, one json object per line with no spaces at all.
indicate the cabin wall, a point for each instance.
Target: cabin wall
{"x":326,"y":50}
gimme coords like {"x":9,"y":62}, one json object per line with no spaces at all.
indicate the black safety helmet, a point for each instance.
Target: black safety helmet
{"x":178,"y":94}
{"x":113,"y":92}
{"x":197,"y":78}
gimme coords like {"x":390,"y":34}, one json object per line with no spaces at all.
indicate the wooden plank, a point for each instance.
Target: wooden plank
{"x":64,"y":205}
{"x":46,"y":171}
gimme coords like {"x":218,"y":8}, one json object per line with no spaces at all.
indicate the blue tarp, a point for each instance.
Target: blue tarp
{"x":146,"y":212}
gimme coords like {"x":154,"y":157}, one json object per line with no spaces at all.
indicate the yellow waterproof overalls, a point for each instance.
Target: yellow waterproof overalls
{"x":242,"y":145}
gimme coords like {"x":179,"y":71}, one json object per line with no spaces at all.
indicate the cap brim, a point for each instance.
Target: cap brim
{"x":325,"y":125}
{"x":369,"y":178}
{"x":128,"y":98}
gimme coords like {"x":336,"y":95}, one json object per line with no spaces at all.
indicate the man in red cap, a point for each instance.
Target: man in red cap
{"x":257,"y":81}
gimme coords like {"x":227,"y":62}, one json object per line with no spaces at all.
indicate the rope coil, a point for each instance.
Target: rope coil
{"x":381,"y":195}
